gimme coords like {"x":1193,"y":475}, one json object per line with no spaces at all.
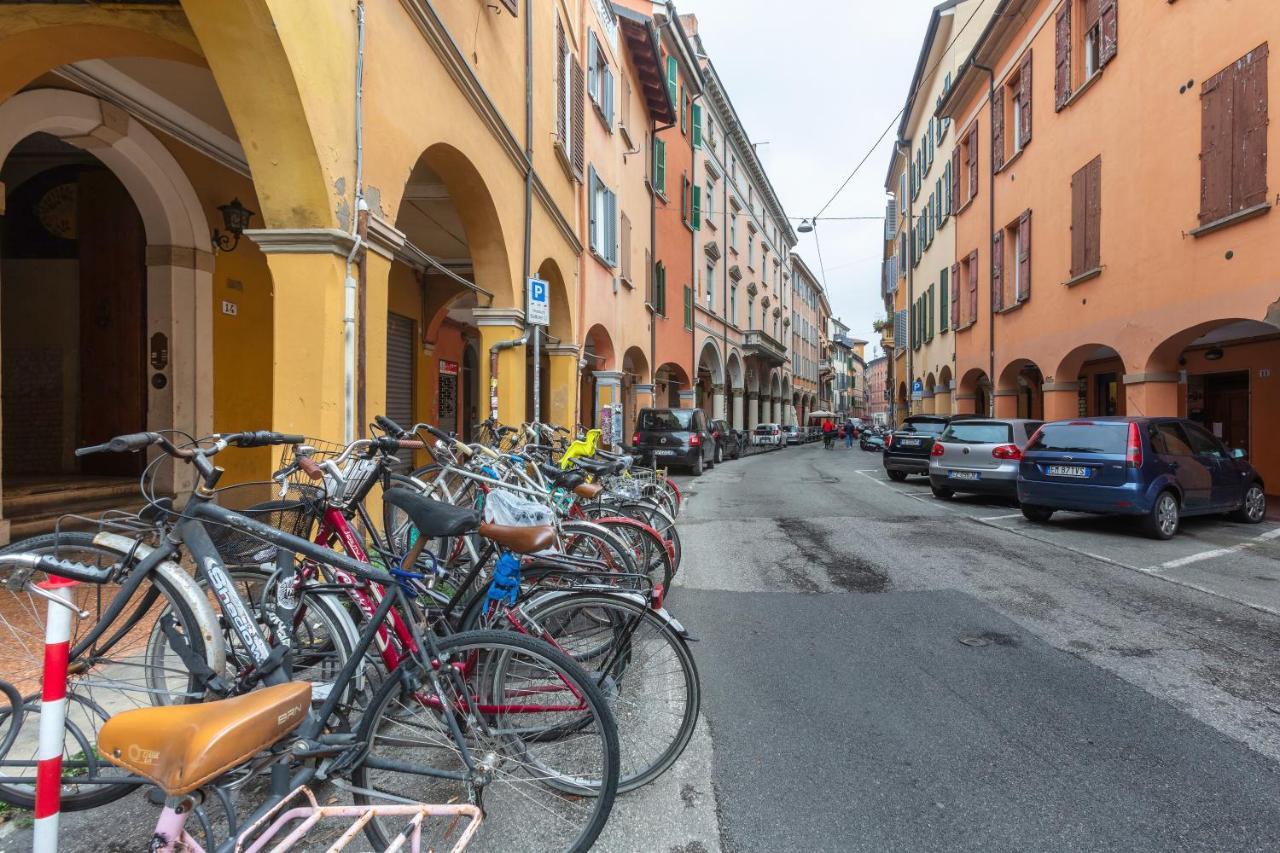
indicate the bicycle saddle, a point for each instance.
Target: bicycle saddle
{"x":560,"y":477}
{"x":588,"y":491}
{"x":521,"y":540}
{"x":181,"y":747}
{"x":433,"y":518}
{"x":599,"y":466}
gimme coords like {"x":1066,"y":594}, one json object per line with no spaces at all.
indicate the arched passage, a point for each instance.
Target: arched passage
{"x":1019,"y":393}
{"x":709,"y":388}
{"x":943,"y":403}
{"x":668,"y":381}
{"x":601,"y":384}
{"x":635,"y":372}
{"x":1088,"y":380}
{"x":973,"y":396}
{"x":930,"y":390}
{"x":129,"y":287}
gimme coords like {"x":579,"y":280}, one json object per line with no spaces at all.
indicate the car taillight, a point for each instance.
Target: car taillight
{"x":635,"y":439}
{"x":1007,"y":451}
{"x":1133,"y":453}
{"x":938,"y":449}
{"x":888,"y":441}
{"x":695,"y":440}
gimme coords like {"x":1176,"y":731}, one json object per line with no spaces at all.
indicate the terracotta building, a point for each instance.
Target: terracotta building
{"x":1116,"y":252}
{"x":877,"y":383}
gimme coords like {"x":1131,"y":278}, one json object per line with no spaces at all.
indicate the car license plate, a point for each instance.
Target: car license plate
{"x":910,"y":442}
{"x":664,"y":453}
{"x":963,"y":475}
{"x":1068,"y":471}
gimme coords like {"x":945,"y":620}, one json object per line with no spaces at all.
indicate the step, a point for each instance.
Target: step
{"x":23,"y":526}
{"x":47,"y":497}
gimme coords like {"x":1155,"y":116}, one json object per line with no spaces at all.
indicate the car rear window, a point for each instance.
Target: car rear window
{"x":666,"y":420}
{"x":927,"y":427}
{"x":978,"y":433}
{"x":1083,"y":437}
{"x":764,"y":430}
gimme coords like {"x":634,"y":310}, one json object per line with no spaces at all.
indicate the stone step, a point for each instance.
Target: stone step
{"x":39,"y":498}
{"x":45,"y":520}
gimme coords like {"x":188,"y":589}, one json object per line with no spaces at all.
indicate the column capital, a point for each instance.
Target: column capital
{"x":642,"y":389}
{"x":1060,"y":385}
{"x":717,"y":388}
{"x":613,"y":377}
{"x":302,"y":241}
{"x":561,"y":349}
{"x":498,"y":317}
{"x":1005,"y":392}
{"x":737,"y":392}
{"x":1139,"y":378}
{"x":686,"y":395}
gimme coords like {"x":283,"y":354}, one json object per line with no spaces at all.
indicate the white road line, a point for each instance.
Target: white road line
{"x":998,"y":517}
{"x":1218,"y":552}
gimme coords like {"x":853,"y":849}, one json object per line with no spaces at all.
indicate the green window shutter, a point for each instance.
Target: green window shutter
{"x":697,"y":208}
{"x":688,"y":307}
{"x":660,"y":165}
{"x":697,"y":125}
{"x":943,"y":301}
{"x":671,"y":82}
{"x":931,"y":312}
{"x":660,"y":290}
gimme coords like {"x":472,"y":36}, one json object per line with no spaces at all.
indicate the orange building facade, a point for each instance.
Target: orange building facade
{"x":1115,"y":247}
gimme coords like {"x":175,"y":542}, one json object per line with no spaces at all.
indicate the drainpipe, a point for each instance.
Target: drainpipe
{"x":493,"y":368}
{"x":991,"y":214}
{"x":359,"y":213}
{"x":528,"y":206}
{"x":693,"y":263}
{"x":904,"y":145}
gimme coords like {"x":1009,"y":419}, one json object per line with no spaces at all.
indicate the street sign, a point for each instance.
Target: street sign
{"x":537,"y":311}
{"x":917,"y":389}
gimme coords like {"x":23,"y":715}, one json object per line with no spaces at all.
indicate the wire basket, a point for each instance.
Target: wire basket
{"x":294,"y":513}
{"x":320,"y":451}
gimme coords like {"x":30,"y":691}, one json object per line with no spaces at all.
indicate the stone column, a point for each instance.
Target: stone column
{"x":609,"y":393}
{"x":966,"y":404}
{"x":717,"y":401}
{"x":560,"y":387}
{"x":507,"y":393}
{"x":643,"y":400}
{"x":688,"y":399}
{"x":1061,"y":400}
{"x":738,"y":423}
{"x":1006,"y":403}
{"x":1152,"y":393}
{"x":753,"y":413}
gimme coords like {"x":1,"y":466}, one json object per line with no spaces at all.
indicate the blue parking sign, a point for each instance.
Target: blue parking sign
{"x":537,"y":310}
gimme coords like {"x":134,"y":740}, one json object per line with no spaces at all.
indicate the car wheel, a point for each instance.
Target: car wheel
{"x":697,"y":466}
{"x":898,"y":476}
{"x":719,"y":454}
{"x":1254,"y":506}
{"x":1162,"y":521}
{"x":1038,"y":514}
{"x":942,"y":492}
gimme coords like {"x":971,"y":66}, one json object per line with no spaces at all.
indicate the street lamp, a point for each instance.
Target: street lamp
{"x":235,"y":218}
{"x":805,"y":227}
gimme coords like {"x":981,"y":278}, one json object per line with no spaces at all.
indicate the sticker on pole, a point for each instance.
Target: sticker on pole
{"x":537,"y":311}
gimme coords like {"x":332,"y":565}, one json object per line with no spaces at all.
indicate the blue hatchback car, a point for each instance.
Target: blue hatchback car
{"x":1158,"y":469}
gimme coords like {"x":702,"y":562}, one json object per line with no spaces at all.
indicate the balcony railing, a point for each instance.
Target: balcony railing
{"x":757,"y":342}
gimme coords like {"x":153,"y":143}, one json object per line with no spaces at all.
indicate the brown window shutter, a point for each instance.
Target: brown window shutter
{"x":1062,"y":56}
{"x":1092,"y":9}
{"x":1109,"y":19}
{"x":513,"y":6}
{"x":1024,"y":80}
{"x":576,"y":95}
{"x":1079,"y":221}
{"x":626,"y":247}
{"x":1024,"y":257}
{"x":1249,"y":131}
{"x":997,"y":129}
{"x":973,"y":160}
{"x":1093,"y":220}
{"x":562,"y":85}
{"x":1215,"y":145}
{"x":955,"y":296}
{"x":953,"y":186}
{"x":997,"y":270}
{"x":973,"y":286}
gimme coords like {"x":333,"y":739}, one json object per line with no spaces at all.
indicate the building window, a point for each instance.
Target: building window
{"x":625,"y":272}
{"x":944,"y":303}
{"x":1011,"y":263}
{"x":733,"y":230}
{"x":968,"y":155}
{"x":660,"y":289}
{"x":751,"y":316}
{"x":733,"y":305}
{"x":1086,"y":37}
{"x":710,"y":202}
{"x":1086,"y":218}
{"x":673,"y":75}
{"x":711,"y":285}
{"x":1233,"y":137}
{"x":603,"y":215}
{"x":688,"y":307}
{"x":659,"y":166}
{"x":599,"y":78}
{"x":1011,"y":114}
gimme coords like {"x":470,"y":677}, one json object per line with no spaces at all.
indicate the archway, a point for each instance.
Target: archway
{"x":140,"y":288}
{"x":668,"y":381}
{"x":1020,"y":393}
{"x":942,"y":401}
{"x":737,"y":389}
{"x":635,"y":371}
{"x":930,"y":390}
{"x":770,"y":411}
{"x":787,"y":415}
{"x":1088,"y":380}
{"x":601,"y":382}
{"x":973,"y":396}
{"x":709,"y":388}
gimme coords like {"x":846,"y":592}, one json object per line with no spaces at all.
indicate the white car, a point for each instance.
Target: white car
{"x":768,"y":434}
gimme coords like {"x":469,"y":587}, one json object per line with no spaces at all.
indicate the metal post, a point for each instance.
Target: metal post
{"x":537,"y":374}
{"x":53,"y":714}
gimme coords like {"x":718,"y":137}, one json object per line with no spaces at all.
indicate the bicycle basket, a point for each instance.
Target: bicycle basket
{"x":295,"y":513}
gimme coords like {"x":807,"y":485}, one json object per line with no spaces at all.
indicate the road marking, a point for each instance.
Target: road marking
{"x":998,"y":517}
{"x":1218,"y":552}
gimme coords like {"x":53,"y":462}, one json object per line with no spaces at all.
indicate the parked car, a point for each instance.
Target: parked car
{"x":871,"y":441}
{"x":1157,"y":469}
{"x":768,"y":434}
{"x":980,"y":456}
{"x":728,"y":441}
{"x":792,"y":433}
{"x":674,"y":437}
{"x":906,"y":449}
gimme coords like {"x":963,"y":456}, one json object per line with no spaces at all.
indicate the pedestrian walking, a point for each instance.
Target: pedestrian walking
{"x":828,"y":432}
{"x":849,"y":430}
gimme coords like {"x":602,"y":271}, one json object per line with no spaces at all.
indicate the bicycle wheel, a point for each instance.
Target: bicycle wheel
{"x":598,"y":545}
{"x":646,"y":547}
{"x":539,"y":730}
{"x":640,"y":662}
{"x":131,"y":664}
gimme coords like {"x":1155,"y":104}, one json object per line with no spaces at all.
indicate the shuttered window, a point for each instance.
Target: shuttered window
{"x":1062,"y":55}
{"x":697,"y":125}
{"x":971,"y":154}
{"x":563,"y":69}
{"x":1086,"y":216}
{"x":955,"y":296}
{"x":997,"y":128}
{"x":625,"y":259}
{"x":578,"y":99}
{"x":971,"y":275}
{"x":660,"y":289}
{"x":672,"y":82}
{"x":997,"y":270}
{"x":659,"y":166}
{"x":944,"y":303}
{"x":954,"y":178}
{"x":400,"y":356}
{"x":929,"y":302}
{"x":688,"y":307}
{"x":697,"y":208}
{"x":1233,"y":133}
{"x":1022,"y":287}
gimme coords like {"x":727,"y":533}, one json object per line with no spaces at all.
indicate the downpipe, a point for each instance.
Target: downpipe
{"x":358,"y":214}
{"x":493,"y":368}
{"x":991,"y":229}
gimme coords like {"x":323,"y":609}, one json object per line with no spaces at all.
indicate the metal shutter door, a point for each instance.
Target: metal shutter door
{"x":400,"y":374}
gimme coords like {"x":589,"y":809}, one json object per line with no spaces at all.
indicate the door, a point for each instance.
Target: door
{"x":400,"y":353}
{"x":1226,"y":407}
{"x":1107,"y":395}
{"x":1225,"y":492}
{"x":113,"y":276}
{"x":1193,"y":474}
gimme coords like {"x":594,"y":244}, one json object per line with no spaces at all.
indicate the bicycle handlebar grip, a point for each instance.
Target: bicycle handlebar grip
{"x":121,"y":444}
{"x":266,"y":438}
{"x":310,"y":467}
{"x":93,"y":448}
{"x":73,"y":570}
{"x":389,"y":425}
{"x":438,"y":433}
{"x":410,"y":444}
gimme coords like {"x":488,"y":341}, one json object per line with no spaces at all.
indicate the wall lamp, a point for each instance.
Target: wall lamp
{"x":235,"y":218}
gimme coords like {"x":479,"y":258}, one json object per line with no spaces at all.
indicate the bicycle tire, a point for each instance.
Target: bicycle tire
{"x":387,"y":707}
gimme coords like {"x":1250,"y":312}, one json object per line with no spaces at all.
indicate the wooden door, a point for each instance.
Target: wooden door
{"x":113,"y":281}
{"x":1226,"y":407}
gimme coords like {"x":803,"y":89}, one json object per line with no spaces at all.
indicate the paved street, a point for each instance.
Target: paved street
{"x":883,"y":671}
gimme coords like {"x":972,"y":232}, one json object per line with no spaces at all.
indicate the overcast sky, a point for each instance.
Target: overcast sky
{"x":819,"y":81}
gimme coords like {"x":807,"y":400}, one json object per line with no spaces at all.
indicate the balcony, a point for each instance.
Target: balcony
{"x":759,"y":343}
{"x":825,"y":367}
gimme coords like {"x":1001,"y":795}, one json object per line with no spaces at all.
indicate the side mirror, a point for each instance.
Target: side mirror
{"x":1238,"y":453}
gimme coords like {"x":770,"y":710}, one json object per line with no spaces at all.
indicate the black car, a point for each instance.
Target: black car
{"x":668,"y":437}
{"x":728,"y":440}
{"x":907,"y":448}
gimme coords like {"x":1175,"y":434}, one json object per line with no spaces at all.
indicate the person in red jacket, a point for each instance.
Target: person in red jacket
{"x":828,"y":432}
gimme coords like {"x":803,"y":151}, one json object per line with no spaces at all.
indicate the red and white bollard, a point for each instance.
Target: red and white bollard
{"x":53,"y":713}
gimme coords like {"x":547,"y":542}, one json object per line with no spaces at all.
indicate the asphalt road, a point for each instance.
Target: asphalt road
{"x":885,"y":671}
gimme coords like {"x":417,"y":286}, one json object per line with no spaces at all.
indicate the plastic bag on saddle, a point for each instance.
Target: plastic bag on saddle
{"x":506,"y":508}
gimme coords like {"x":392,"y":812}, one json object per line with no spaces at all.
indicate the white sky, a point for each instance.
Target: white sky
{"x":819,"y":80}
